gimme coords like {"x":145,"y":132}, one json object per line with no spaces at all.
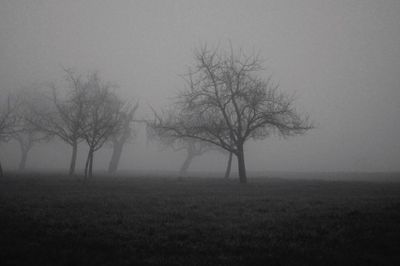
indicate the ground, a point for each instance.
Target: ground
{"x":52,"y":220}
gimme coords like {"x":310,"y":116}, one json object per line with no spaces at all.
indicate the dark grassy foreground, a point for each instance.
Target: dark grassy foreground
{"x":155,"y":221}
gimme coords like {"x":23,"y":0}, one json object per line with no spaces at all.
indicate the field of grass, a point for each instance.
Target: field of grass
{"x":48,"y":220}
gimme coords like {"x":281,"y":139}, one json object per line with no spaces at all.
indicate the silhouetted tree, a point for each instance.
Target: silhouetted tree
{"x":103,"y":118}
{"x":8,"y":120}
{"x":121,"y":136}
{"x":67,"y":115}
{"x":225,"y":103}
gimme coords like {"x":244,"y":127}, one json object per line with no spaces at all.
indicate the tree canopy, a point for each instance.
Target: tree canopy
{"x":226,"y":102}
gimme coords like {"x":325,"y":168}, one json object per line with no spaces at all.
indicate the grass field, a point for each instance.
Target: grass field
{"x":160,"y":221}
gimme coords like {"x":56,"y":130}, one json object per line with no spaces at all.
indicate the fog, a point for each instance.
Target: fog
{"x":342,"y":58}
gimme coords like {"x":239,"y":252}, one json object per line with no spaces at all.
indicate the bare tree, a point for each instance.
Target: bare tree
{"x":192,"y":147}
{"x":27,"y":137}
{"x":8,"y":120}
{"x":225,"y":103}
{"x":29,"y":134}
{"x":67,"y":115}
{"x":104,"y":115}
{"x":121,"y":136}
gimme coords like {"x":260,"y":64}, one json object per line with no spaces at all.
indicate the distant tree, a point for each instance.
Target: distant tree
{"x":66,"y":117}
{"x":192,"y":147}
{"x":26,"y":140}
{"x":103,"y":118}
{"x":27,"y":137}
{"x":195,"y":148}
{"x":29,"y":134}
{"x":122,"y":135}
{"x":8,"y":120}
{"x":225,"y":103}
{"x":228,"y":166}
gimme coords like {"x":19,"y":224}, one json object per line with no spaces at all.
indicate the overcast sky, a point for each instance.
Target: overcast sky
{"x":342,"y":58}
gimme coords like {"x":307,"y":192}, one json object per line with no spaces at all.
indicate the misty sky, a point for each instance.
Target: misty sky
{"x":342,"y":58}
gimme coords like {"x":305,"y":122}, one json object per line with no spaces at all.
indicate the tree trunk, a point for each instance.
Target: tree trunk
{"x":73,"y":158}
{"x":1,"y":171}
{"x":24,"y":157}
{"x":228,"y":166}
{"x":241,"y":165}
{"x":87,"y":164}
{"x":91,"y":164}
{"x":115,"y":157}
{"x":186,"y":164}
{"x":25,"y":145}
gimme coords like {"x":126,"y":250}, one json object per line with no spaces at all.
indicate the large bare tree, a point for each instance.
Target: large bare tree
{"x":8,"y":120}
{"x":226,"y":103}
{"x":104,"y":116}
{"x":122,"y":135}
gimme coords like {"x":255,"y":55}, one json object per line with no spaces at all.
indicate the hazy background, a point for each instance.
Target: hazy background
{"x":341,"y":57}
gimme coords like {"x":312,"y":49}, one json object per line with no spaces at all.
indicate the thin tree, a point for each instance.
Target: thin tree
{"x":104,"y":114}
{"x":8,"y":120}
{"x":226,"y":103}
{"x":121,"y":136}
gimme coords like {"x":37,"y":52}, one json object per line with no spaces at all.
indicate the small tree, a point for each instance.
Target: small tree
{"x":121,"y":136}
{"x":8,"y":120}
{"x":225,"y":103}
{"x":104,"y":116}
